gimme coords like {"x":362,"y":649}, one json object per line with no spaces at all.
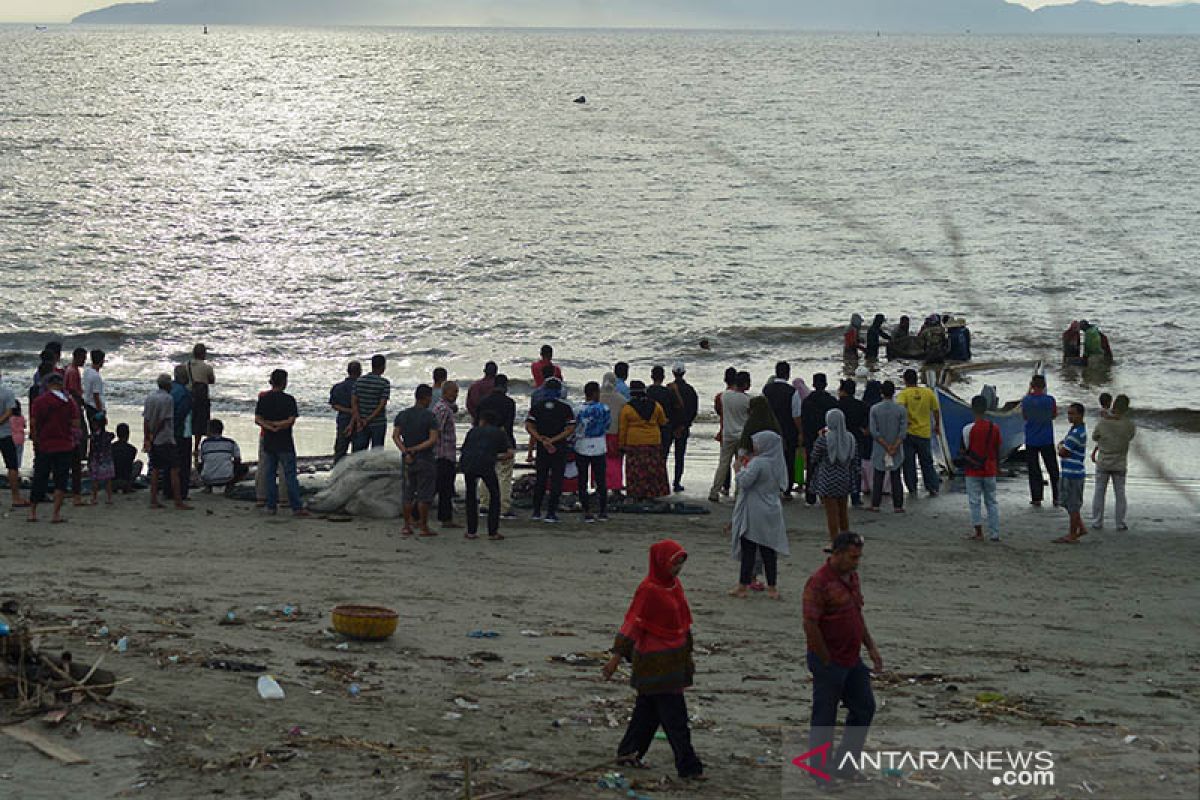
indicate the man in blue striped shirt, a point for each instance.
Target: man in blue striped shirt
{"x":1071,"y":451}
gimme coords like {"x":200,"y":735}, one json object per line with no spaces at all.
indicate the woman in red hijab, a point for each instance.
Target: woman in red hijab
{"x":657,"y":640}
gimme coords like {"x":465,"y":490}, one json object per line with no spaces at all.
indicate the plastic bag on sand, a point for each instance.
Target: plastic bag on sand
{"x":370,"y":483}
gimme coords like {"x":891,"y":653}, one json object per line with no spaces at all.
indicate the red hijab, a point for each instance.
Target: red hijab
{"x":659,"y":606}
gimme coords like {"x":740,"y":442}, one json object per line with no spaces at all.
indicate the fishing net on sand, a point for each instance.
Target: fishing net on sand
{"x":367,"y":484}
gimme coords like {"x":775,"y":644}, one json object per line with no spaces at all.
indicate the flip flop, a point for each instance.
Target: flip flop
{"x":1065,"y":540}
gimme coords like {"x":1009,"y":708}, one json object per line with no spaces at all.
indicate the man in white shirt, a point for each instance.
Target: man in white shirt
{"x":220,"y":459}
{"x":735,"y":409}
{"x":93,"y":385}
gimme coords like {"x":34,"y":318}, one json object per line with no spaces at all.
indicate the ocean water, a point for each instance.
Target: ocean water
{"x":297,"y":198}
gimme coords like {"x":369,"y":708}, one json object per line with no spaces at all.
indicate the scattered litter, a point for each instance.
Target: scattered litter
{"x":231,"y":618}
{"x":893,"y":773}
{"x":295,"y":730}
{"x":234,"y":666}
{"x":662,"y":737}
{"x":269,"y":688}
{"x":531,"y":633}
{"x":483,"y":635}
{"x":462,"y":702}
{"x":524,"y":672}
{"x":355,"y":690}
{"x":989,"y":697}
{"x":514,"y":765}
{"x":103,"y":631}
{"x":451,"y":715}
{"x":580,"y":659}
{"x":485,"y":655}
{"x":342,"y":646}
{"x":1130,"y":739}
{"x":122,"y":644}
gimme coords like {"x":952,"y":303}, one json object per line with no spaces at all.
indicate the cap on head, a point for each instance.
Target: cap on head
{"x":678,"y":368}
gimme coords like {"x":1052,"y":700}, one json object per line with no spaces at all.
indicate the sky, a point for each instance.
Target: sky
{"x":65,"y":10}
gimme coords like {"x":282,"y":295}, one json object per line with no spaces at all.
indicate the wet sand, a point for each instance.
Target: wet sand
{"x":1103,"y":634}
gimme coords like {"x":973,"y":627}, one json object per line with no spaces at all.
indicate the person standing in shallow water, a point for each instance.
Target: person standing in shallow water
{"x":875,"y":334}
{"x":686,"y":407}
{"x":656,"y":638}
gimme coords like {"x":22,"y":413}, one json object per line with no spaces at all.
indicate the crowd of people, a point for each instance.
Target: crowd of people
{"x":840,"y":449}
{"x":837,"y":448}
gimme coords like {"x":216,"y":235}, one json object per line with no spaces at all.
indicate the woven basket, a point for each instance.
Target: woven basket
{"x":370,"y":623}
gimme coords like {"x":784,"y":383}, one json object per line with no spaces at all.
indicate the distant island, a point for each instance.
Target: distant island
{"x":892,"y":16}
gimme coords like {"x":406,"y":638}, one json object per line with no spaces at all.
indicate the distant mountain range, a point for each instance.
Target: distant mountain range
{"x":917,"y":16}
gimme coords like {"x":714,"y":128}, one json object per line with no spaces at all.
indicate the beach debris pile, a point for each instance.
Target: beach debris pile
{"x":33,"y":682}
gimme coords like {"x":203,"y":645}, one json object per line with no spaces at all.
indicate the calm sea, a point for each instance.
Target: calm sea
{"x":297,"y":198}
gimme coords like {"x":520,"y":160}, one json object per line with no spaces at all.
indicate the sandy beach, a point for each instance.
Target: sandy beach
{"x":1090,"y":644}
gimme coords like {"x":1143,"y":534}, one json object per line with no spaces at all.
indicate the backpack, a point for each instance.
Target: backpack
{"x":975,"y":461}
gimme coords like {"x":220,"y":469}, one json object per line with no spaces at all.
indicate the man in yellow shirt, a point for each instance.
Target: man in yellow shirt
{"x":924,"y":422}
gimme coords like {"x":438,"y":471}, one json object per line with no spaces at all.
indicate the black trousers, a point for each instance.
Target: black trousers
{"x":46,"y":465}
{"x":183,"y":455}
{"x":445,"y":490}
{"x":598,"y":466}
{"x":897,"y":479}
{"x":750,"y":553}
{"x":680,"y":452}
{"x":789,"y":454}
{"x":493,"y":486}
{"x":549,"y":477}
{"x":1037,"y":487}
{"x":669,"y":711}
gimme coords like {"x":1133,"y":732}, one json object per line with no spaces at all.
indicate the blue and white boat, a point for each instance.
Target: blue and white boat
{"x":957,"y":414}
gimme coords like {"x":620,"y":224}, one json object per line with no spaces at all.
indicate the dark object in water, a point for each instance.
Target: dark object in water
{"x":580,"y":100}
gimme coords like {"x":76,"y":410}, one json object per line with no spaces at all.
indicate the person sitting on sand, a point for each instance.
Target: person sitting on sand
{"x":220,"y":460}
{"x":126,"y":468}
{"x":656,"y":638}
{"x":758,"y":526}
{"x":1072,"y":450}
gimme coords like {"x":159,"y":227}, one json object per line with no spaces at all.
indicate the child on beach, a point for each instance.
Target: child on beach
{"x":657,"y":639}
{"x":100,"y":459}
{"x":126,"y":467}
{"x":1071,"y":452}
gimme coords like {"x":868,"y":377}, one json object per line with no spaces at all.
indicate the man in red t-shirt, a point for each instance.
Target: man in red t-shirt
{"x":836,"y":633}
{"x":981,"y":457}
{"x":538,"y":368}
{"x":55,"y":420}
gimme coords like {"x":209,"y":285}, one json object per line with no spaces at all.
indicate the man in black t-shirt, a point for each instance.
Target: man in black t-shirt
{"x":276,"y":414}
{"x":484,"y":443}
{"x":416,"y":434}
{"x":550,"y":423}
{"x":504,"y":409}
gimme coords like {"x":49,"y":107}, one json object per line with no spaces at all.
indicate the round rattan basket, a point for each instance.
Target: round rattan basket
{"x":369,"y":623}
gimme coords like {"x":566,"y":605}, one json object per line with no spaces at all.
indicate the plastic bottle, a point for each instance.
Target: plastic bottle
{"x":122,"y":644}
{"x":269,"y":688}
